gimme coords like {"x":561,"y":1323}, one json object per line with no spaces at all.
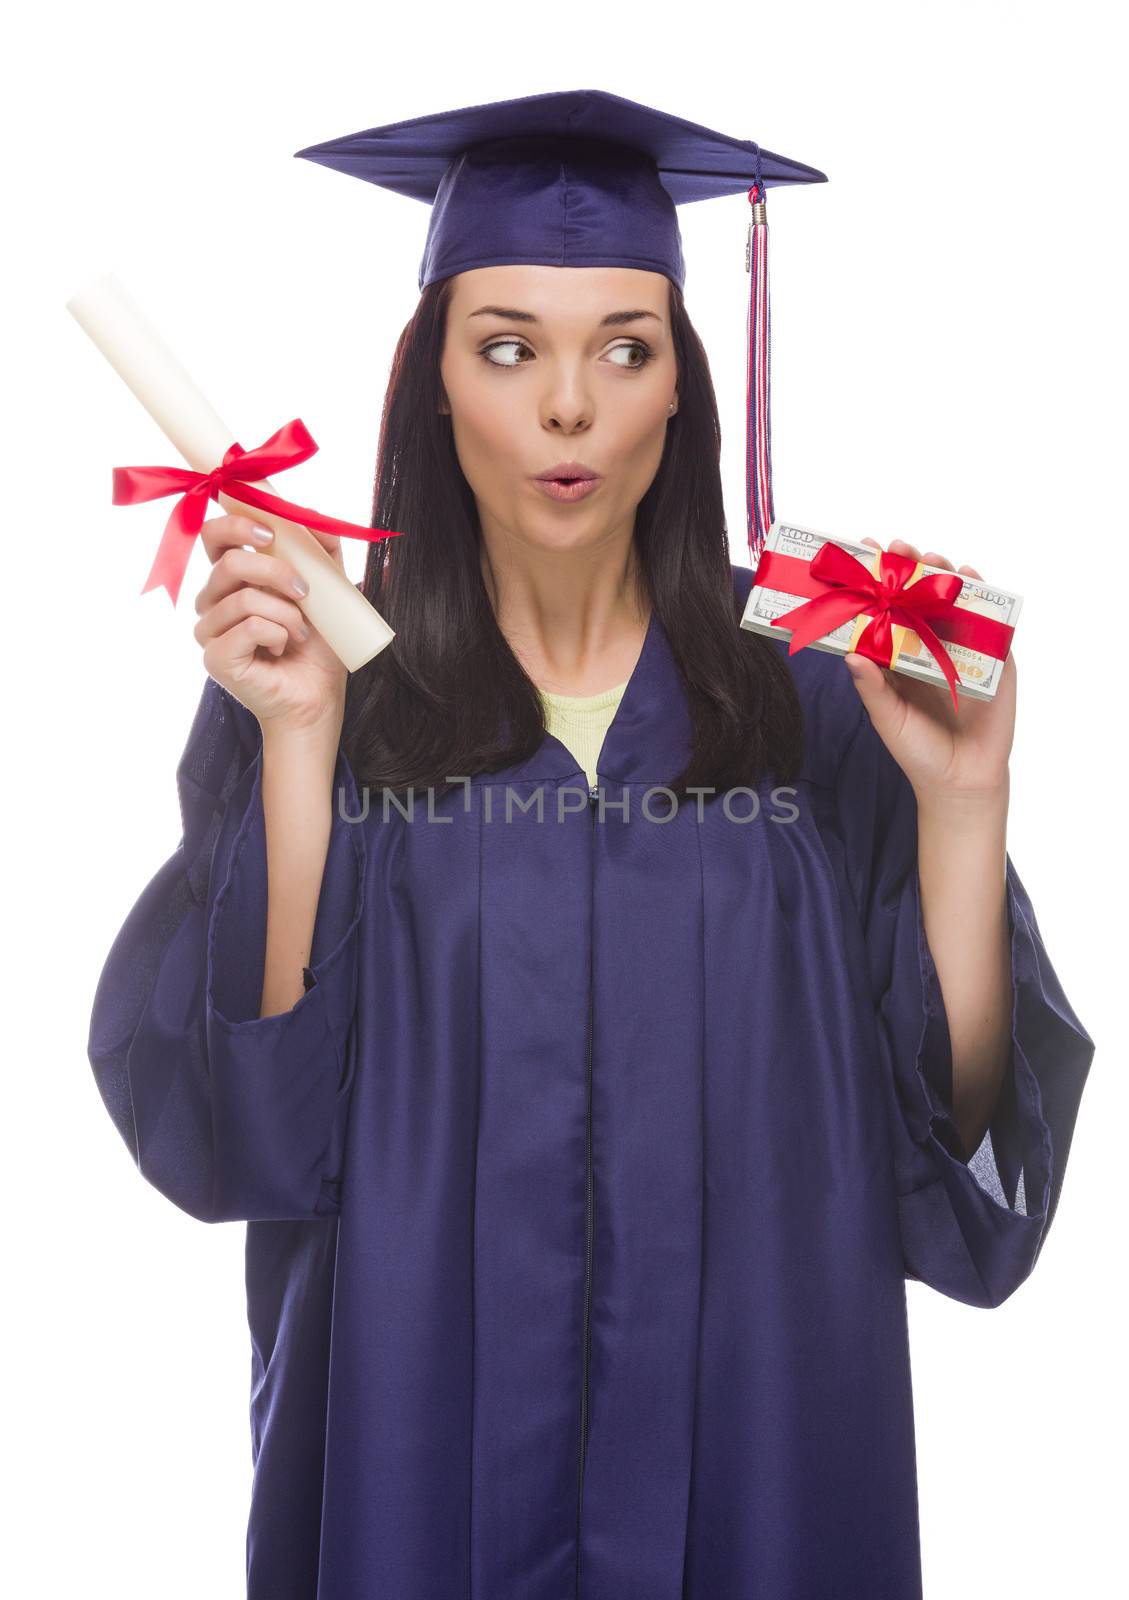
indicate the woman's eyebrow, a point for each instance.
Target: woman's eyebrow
{"x":614,"y":319}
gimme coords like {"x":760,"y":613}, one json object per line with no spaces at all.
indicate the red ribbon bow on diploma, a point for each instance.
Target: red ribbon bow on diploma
{"x":889,"y":595}
{"x":292,"y":444}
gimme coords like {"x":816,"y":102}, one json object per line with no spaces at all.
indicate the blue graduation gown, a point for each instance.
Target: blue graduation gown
{"x":583,"y":1181}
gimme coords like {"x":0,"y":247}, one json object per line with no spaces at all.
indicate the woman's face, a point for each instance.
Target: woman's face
{"x":548,"y":364}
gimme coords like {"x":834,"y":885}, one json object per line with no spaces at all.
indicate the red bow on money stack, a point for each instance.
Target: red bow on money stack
{"x":843,"y":588}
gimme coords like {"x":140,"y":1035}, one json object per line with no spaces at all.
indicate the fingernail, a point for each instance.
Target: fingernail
{"x":854,"y":669}
{"x":300,"y":586}
{"x":262,"y":535}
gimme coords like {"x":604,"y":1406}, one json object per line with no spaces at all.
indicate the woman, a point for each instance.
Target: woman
{"x":584,"y":1139}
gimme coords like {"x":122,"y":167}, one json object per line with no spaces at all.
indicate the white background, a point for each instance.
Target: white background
{"x":948,"y":362}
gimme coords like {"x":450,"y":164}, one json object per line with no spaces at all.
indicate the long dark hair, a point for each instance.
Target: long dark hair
{"x":437,"y":702}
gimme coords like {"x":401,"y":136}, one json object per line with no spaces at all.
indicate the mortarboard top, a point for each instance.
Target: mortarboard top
{"x":580,"y":178}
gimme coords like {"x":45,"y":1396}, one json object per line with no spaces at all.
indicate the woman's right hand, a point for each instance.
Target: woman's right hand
{"x":257,"y":643}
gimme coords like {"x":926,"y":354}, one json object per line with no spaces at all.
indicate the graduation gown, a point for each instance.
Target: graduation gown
{"x":583,"y":1181}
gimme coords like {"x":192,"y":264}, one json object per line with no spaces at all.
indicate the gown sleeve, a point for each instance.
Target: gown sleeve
{"x":971,"y":1225}
{"x":232,"y":1116}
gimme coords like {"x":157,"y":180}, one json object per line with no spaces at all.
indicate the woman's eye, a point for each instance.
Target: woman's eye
{"x":502,"y":344}
{"x":644,"y":351}
{"x":635,"y":346}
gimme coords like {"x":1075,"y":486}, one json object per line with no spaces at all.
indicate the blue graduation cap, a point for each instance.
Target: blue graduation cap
{"x":581,"y":178}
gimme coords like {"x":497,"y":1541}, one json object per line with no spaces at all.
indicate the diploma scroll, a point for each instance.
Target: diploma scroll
{"x":352,"y":627}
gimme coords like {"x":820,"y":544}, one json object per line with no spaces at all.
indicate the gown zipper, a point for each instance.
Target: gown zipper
{"x":589,"y":1207}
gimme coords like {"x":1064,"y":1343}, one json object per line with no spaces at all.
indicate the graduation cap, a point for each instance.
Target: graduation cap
{"x":581,"y":178}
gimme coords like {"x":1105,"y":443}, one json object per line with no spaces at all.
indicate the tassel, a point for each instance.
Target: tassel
{"x":758,"y":432}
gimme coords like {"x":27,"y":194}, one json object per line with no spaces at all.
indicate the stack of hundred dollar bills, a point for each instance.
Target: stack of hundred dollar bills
{"x":978,"y":674}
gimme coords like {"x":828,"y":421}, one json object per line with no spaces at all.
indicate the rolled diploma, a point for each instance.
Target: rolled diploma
{"x":352,"y":627}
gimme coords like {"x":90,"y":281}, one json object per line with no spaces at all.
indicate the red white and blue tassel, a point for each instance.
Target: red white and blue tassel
{"x":758,"y":431}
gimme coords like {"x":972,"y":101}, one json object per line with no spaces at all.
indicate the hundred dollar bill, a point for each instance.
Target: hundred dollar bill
{"x":978,"y":674}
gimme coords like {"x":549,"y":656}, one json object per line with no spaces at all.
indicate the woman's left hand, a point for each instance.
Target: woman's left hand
{"x":943,"y":753}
